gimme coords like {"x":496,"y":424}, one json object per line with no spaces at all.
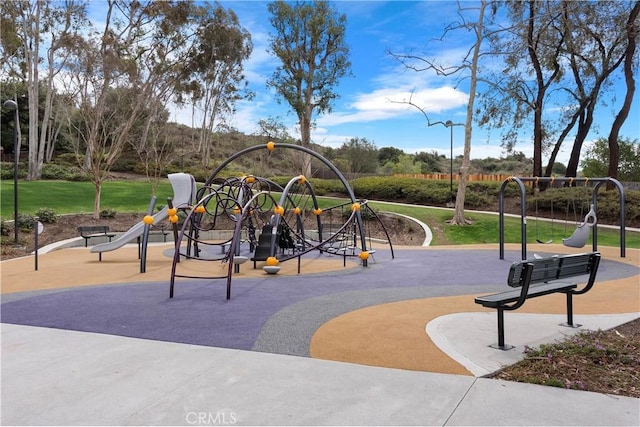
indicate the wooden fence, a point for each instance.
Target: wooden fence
{"x":487,"y":177}
{"x":447,"y":177}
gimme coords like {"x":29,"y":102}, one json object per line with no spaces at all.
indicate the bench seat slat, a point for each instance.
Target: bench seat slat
{"x":502,"y":298}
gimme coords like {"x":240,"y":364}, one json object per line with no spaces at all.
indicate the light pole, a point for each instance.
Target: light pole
{"x":449,"y":124}
{"x":13,"y":105}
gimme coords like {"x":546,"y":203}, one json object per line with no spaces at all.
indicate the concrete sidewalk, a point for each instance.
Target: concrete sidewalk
{"x":59,"y":377}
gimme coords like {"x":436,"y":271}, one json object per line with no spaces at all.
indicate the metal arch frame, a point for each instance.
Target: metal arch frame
{"x":283,"y":199}
{"x":523,"y":208}
{"x":326,"y":162}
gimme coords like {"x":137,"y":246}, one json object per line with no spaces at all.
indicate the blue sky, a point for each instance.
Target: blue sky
{"x":365,"y":108}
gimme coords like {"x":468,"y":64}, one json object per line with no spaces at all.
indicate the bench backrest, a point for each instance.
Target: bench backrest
{"x":93,"y":229}
{"x":554,"y":268}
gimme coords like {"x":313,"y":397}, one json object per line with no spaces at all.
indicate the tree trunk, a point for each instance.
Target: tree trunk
{"x":305,"y":141}
{"x":614,"y":148}
{"x":32,"y":55}
{"x":537,"y":113}
{"x":96,"y":200}
{"x":458,"y":218}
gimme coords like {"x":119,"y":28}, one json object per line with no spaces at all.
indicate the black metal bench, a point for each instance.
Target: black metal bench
{"x":89,"y":231}
{"x":160,"y":230}
{"x":538,"y":277}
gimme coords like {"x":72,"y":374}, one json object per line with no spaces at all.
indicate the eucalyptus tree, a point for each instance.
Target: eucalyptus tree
{"x":596,"y":160}
{"x":595,"y":47}
{"x":217,"y":71}
{"x":273,"y":129}
{"x":37,"y":42}
{"x":309,"y":41}
{"x":559,"y":60}
{"x":125,"y":72}
{"x":360,"y":155}
{"x":632,"y":28}
{"x":530,"y":53}
{"x":389,"y":154}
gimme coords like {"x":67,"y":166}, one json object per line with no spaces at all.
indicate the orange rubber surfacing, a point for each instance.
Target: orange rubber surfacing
{"x":394,"y":335}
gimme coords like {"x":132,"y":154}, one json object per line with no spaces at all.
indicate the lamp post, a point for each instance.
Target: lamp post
{"x":13,"y":105}
{"x":449,"y":124}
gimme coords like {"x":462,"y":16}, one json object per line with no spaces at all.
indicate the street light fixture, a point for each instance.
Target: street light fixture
{"x":450,"y":125}
{"x":13,"y":105}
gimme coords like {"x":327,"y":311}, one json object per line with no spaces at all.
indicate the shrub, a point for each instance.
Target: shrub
{"x":6,"y":170}
{"x":108,"y":213}
{"x":47,"y":215}
{"x":68,"y":159}
{"x":56,"y":171}
{"x":4,"y":228}
{"x":26,"y":222}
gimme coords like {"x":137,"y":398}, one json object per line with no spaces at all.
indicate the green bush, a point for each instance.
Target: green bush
{"x":4,"y":228}
{"x":26,"y":222}
{"x":6,"y":170}
{"x":61,"y":172}
{"x":47,"y":215}
{"x":107,"y":213}
{"x":572,"y":204}
{"x":68,"y":159}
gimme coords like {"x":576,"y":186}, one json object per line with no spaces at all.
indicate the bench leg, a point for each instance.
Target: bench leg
{"x":501,"y":345}
{"x":570,"y":323}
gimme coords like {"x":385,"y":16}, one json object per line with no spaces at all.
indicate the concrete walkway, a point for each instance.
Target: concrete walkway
{"x":57,"y":377}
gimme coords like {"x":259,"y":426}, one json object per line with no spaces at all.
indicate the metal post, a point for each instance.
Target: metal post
{"x":36,"y":228}
{"x":13,"y":105}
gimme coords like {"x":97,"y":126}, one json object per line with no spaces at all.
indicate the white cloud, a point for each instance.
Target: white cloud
{"x":391,"y":103}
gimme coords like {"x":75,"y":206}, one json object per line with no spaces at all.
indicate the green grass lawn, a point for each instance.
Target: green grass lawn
{"x":134,"y":196}
{"x":77,"y":197}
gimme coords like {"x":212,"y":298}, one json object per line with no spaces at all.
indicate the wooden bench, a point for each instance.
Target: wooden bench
{"x":540,"y":277}
{"x":89,"y":231}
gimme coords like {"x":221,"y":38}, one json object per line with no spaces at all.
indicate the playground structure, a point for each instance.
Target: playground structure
{"x":184,"y":194}
{"x":289,"y":219}
{"x":580,"y":235}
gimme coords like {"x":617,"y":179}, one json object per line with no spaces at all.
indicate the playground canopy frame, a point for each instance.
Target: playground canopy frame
{"x":523,"y":208}
{"x":326,"y":162}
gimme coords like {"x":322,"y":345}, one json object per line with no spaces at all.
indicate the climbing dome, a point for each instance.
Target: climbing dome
{"x":270,"y":223}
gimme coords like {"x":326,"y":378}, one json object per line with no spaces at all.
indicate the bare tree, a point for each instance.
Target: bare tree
{"x":469,"y":66}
